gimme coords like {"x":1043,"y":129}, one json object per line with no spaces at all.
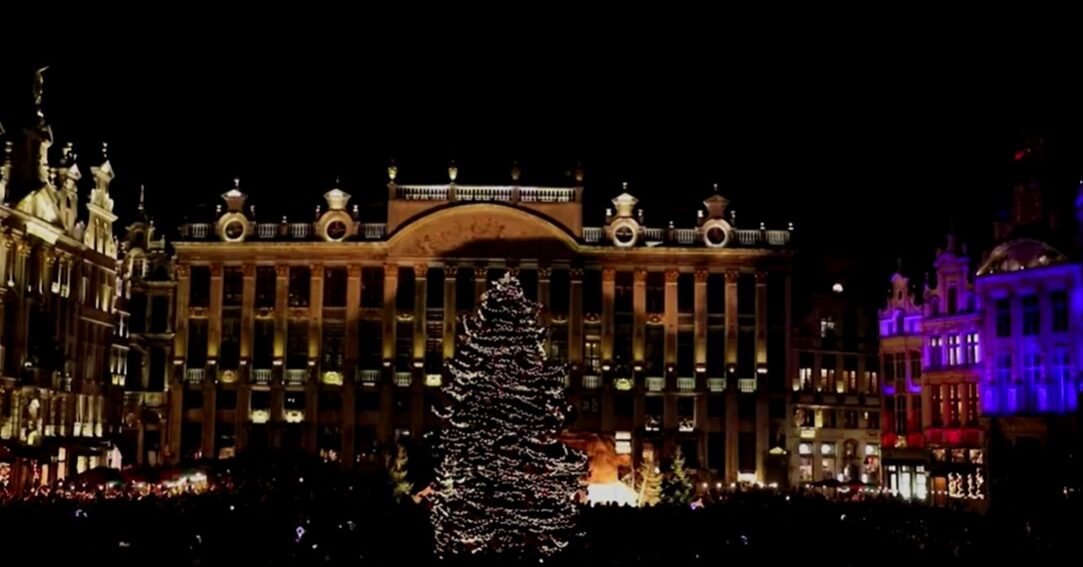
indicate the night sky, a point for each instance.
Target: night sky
{"x":870,"y":161}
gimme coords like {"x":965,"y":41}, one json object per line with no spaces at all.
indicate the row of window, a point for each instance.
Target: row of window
{"x":1033,"y":371}
{"x":953,"y":353}
{"x":299,"y":280}
{"x":1032,"y":314}
{"x":827,"y":418}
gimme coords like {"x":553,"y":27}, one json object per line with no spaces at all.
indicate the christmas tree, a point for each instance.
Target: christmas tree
{"x":677,"y":488}
{"x":650,"y":482}
{"x":401,"y":488}
{"x":506,"y":486}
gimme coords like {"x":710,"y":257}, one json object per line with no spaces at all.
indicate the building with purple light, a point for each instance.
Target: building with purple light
{"x":1032,"y":294}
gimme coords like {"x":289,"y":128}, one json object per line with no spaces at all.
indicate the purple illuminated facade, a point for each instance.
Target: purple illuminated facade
{"x":1032,"y":299}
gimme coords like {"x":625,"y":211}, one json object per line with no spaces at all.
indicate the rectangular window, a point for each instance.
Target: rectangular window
{"x":973,"y":348}
{"x":954,"y":351}
{"x":300,"y":280}
{"x":265,"y":287}
{"x":334,"y":287}
{"x":1004,"y":317}
{"x":232,"y":286}
{"x":971,"y":404}
{"x":954,"y":405}
{"x":404,"y":295}
{"x":889,"y":367}
{"x":656,"y":292}
{"x":1031,"y":315}
{"x":686,"y":293}
{"x":1032,"y":366}
{"x":936,"y":352}
{"x":915,"y":367}
{"x":1062,"y":365}
{"x":622,"y":293}
{"x":200,"y":290}
{"x":1059,"y":300}
{"x":1004,"y":368}
{"x":372,"y":287}
{"x":592,"y":291}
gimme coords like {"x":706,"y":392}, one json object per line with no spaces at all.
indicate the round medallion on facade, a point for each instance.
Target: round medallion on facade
{"x":625,"y":233}
{"x":716,"y":233}
{"x":336,"y":230}
{"x":234,"y":227}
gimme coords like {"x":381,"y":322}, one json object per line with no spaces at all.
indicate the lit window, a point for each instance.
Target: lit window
{"x":827,"y":327}
{"x":624,"y":442}
{"x":872,"y":450}
{"x":954,"y":352}
{"x":804,"y":380}
{"x":804,"y":449}
{"x":1004,"y":368}
{"x":973,"y":348}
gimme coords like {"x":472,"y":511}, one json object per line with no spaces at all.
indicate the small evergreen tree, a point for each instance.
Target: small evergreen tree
{"x":401,"y":488}
{"x":677,"y":490}
{"x":650,"y":483}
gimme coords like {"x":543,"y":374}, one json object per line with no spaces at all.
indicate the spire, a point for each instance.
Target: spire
{"x":234,"y":198}
{"x":141,"y":200}
{"x":99,"y":231}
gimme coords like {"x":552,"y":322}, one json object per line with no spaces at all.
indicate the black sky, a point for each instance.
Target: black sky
{"x":870,"y":156}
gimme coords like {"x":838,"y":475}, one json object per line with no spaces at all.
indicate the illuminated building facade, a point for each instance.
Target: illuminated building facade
{"x":330,"y":336}
{"x":835,"y":401}
{"x":901,"y":344}
{"x":142,"y":353}
{"x":949,"y":386}
{"x":57,"y":325}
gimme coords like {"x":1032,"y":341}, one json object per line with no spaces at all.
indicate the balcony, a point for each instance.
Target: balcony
{"x":653,"y":234}
{"x":266,"y":230}
{"x":373,"y":231}
{"x":434,"y":314}
{"x":403,"y":379}
{"x":300,"y":230}
{"x":686,"y":383}
{"x":368,"y":377}
{"x":592,"y":381}
{"x":199,"y":230}
{"x":194,"y":375}
{"x":716,"y":384}
{"x":296,"y":376}
{"x":746,"y":385}
{"x":656,"y":383}
{"x":434,"y":380}
{"x":261,"y":376}
{"x":684,"y":235}
{"x":498,"y":193}
{"x":592,"y":234}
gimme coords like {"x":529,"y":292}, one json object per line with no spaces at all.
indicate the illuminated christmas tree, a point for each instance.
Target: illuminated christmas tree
{"x":506,"y":486}
{"x":401,"y":488}
{"x":677,"y":488}
{"x":650,"y":483}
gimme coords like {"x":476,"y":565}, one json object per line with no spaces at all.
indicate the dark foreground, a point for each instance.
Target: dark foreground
{"x":282,"y":516}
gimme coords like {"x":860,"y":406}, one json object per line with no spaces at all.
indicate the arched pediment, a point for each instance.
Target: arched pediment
{"x":481,"y":230}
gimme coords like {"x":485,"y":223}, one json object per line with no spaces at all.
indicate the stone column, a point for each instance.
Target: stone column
{"x":282,"y":286}
{"x":575,"y":320}
{"x":450,"y":313}
{"x":700,"y":323}
{"x":639,"y":321}
{"x":609,"y":281}
{"x":248,"y":320}
{"x":732,"y":423}
{"x":670,"y":320}
{"x":348,"y":417}
{"x":315,"y":319}
{"x":214,"y":325}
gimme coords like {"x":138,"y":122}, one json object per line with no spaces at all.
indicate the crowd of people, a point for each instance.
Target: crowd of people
{"x":291,"y":513}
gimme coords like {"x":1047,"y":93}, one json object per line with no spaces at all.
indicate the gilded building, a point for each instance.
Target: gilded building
{"x":330,"y":336}
{"x":57,"y":284}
